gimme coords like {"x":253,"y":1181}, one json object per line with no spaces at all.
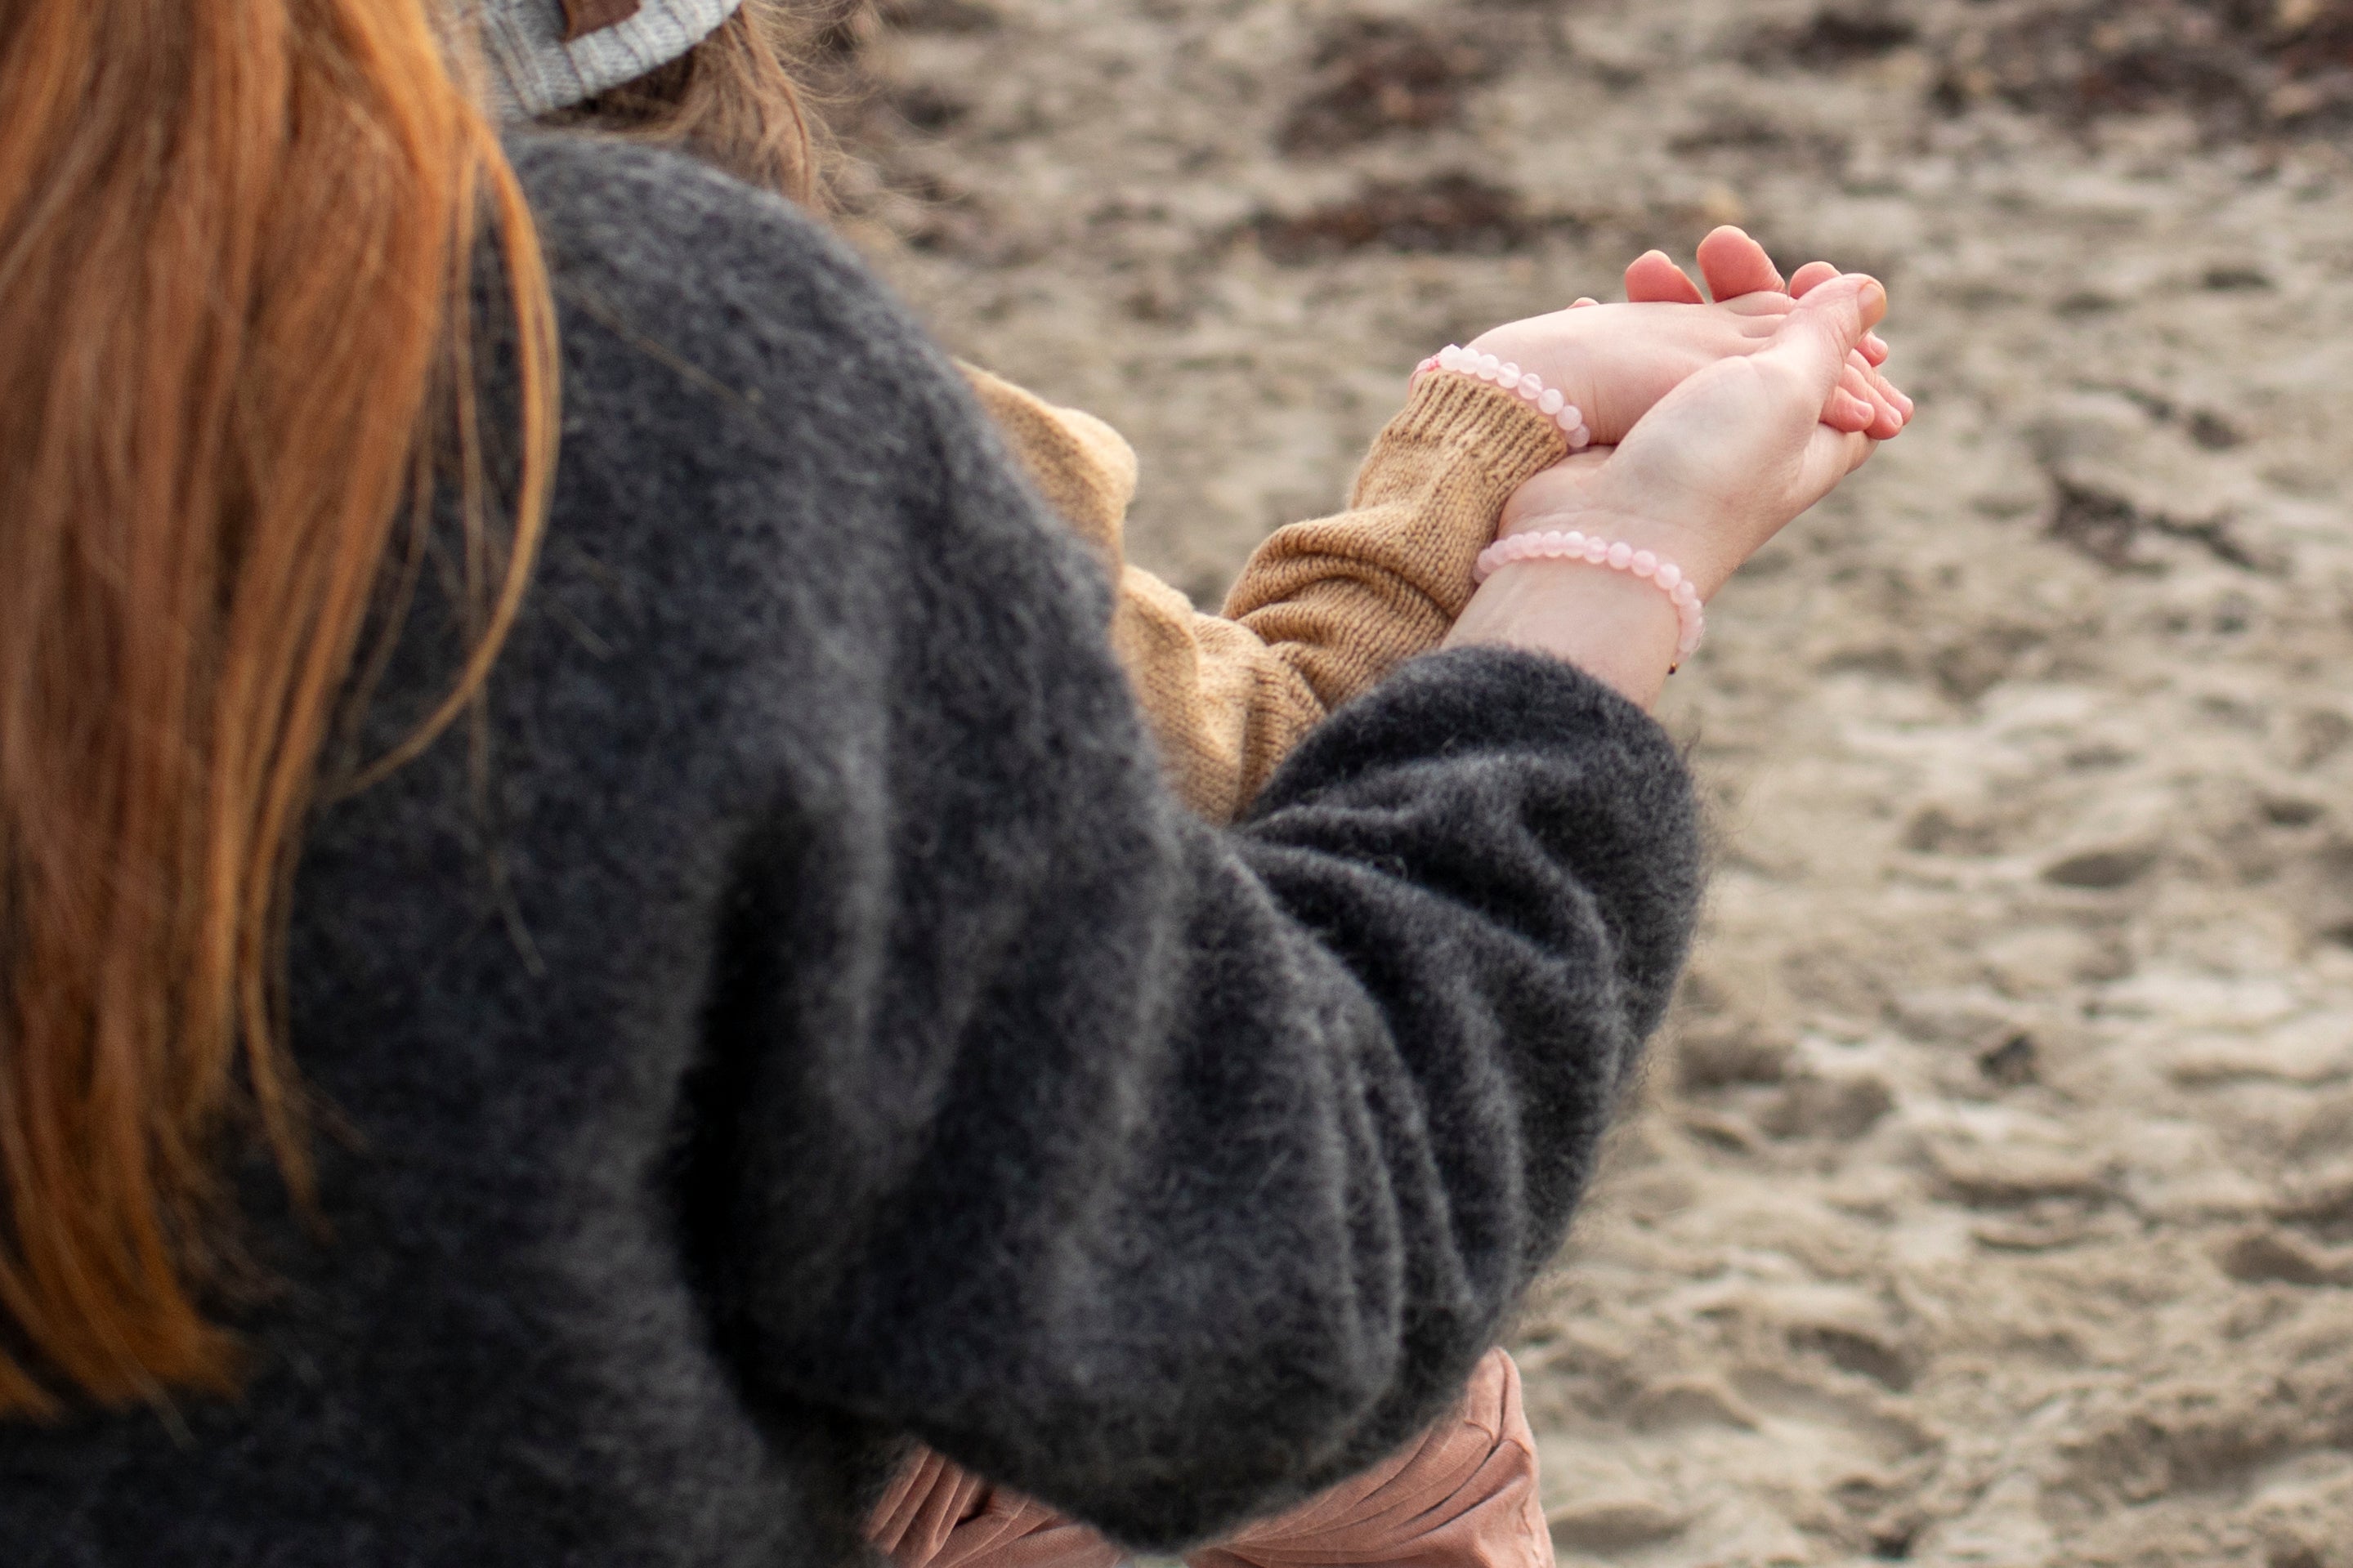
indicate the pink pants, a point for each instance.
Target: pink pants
{"x":1464,"y":1496}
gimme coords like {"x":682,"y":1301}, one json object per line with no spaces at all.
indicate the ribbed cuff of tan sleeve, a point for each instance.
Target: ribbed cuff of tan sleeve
{"x":1347,"y":598}
{"x":1491,"y":440}
{"x":1426,"y":502}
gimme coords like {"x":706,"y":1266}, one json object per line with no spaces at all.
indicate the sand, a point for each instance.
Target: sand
{"x":1991,"y":1197}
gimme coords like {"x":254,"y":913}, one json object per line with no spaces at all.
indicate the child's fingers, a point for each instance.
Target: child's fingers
{"x":1734,"y":265}
{"x":1815,"y":340}
{"x":1850,"y":408}
{"x":1896,"y":393}
{"x":1865,"y":383}
{"x":1873,"y":348}
{"x":1811,"y":276}
{"x":1852,"y":404}
{"x":1882,"y":388}
{"x":1887,"y":422}
{"x":1653,"y":279}
{"x":1830,"y":456}
{"x":1850,"y":415}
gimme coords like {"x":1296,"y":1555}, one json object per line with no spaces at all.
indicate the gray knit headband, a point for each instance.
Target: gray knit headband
{"x":546,"y":55}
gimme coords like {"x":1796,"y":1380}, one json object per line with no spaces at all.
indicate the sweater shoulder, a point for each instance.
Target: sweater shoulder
{"x":730,"y":293}
{"x":727,"y":359}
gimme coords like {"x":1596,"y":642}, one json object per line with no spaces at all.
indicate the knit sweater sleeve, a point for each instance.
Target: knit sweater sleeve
{"x":1322,"y":611}
{"x":1163,"y":1172}
{"x":1347,"y":598}
{"x":1170,"y":1174}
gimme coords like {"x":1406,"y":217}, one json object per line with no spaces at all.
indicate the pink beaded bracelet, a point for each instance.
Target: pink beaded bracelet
{"x":1549,"y":401}
{"x":1619,"y":556}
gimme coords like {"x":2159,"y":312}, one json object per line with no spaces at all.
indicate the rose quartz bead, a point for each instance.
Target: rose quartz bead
{"x":1489,"y":368}
{"x":1551,"y":401}
{"x":1507,"y":375}
{"x":1572,"y":544}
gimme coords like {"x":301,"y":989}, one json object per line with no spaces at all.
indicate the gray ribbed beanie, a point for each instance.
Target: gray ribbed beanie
{"x":535,"y":68}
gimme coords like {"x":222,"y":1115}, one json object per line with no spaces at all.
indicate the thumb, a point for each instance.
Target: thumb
{"x":1830,"y":323}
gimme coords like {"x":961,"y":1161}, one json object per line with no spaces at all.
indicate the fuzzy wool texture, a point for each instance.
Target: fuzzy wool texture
{"x":808,"y":1022}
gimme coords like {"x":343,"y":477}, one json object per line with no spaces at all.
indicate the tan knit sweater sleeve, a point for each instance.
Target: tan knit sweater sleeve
{"x":1323,"y":608}
{"x":1344,"y":600}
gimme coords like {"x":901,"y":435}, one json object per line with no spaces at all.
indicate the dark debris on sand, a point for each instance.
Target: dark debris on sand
{"x":2241,"y":68}
{"x":1448,"y":214}
{"x":1372,"y":75}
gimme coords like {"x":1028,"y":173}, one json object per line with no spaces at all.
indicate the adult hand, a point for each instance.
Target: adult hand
{"x":1616,"y":361}
{"x":1720,"y":466}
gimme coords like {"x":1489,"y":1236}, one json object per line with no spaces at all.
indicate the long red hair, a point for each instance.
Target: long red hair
{"x":235,"y":244}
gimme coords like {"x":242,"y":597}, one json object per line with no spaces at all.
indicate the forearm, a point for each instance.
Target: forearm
{"x":1616,"y":628}
{"x":1257,"y":1133}
{"x":1322,"y":610}
{"x":1346,"y":599}
{"x":1225,"y":707}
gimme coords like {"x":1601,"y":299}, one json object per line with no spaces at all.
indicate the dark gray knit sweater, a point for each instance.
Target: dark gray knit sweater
{"x":823,"y":1027}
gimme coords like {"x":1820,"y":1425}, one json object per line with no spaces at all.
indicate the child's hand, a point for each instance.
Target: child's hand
{"x":1615,"y":361}
{"x":1734,"y":265}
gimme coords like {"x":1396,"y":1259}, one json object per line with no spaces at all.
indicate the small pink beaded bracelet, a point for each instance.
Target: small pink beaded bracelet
{"x":1549,"y":401}
{"x":1619,"y":556}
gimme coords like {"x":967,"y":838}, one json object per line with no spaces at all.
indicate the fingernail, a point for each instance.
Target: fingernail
{"x":1874,"y":294}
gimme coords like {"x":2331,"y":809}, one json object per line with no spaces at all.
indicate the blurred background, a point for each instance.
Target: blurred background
{"x":1992,"y":1199}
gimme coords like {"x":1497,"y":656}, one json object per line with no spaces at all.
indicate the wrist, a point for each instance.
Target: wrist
{"x":1620,"y":630}
{"x":1689,"y":548}
{"x":1513,"y":381}
{"x":1555,"y":355}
